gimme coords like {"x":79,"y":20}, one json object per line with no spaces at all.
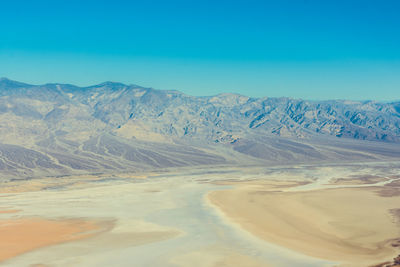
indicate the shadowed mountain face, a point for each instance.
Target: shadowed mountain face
{"x":62,"y":129}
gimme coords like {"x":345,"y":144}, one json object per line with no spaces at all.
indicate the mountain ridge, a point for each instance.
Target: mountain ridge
{"x":135,"y":86}
{"x":129,"y":127}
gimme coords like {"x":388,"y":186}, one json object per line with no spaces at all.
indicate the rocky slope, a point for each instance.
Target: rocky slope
{"x":61,"y":129}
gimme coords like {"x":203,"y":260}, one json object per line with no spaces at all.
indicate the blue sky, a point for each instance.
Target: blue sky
{"x":304,"y":49}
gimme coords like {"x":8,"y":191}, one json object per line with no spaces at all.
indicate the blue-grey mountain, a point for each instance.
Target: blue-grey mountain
{"x":59,"y":129}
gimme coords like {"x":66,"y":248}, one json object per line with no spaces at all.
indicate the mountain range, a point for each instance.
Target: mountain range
{"x":62,"y":129}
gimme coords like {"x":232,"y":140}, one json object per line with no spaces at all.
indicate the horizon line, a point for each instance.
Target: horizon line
{"x":3,"y":78}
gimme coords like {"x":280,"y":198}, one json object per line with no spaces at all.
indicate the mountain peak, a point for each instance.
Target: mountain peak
{"x":5,"y":79}
{"x":6,"y":83}
{"x":111,"y":84}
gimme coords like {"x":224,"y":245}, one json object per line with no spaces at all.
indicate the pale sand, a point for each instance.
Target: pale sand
{"x":26,"y":234}
{"x":348,"y":225}
{"x":263,"y":184}
{"x":216,"y":256}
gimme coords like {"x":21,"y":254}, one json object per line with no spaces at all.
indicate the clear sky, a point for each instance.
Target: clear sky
{"x":322,"y":49}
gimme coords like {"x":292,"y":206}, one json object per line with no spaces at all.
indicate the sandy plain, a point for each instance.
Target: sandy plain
{"x":224,"y":216}
{"x":354,"y":226}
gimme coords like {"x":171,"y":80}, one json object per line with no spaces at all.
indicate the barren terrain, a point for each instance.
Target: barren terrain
{"x":301,"y":215}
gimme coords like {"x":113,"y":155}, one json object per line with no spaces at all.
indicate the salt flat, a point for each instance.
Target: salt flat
{"x":299,"y":215}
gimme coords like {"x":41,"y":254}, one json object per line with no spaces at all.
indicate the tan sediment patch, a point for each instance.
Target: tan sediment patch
{"x":267,"y":185}
{"x":130,"y":233}
{"x":111,"y":240}
{"x":19,"y":187}
{"x":348,"y":225}
{"x":216,"y":256}
{"x":131,"y":176}
{"x":25,"y":234}
{"x":9,"y":211}
{"x":66,"y":182}
{"x":43,"y":184}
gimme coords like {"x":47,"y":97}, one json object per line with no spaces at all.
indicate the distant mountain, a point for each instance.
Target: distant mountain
{"x":61,"y":129}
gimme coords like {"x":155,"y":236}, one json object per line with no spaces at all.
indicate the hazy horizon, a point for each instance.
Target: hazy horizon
{"x":219,"y":93}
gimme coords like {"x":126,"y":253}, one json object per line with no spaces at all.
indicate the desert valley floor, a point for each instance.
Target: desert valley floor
{"x":302,"y":215}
